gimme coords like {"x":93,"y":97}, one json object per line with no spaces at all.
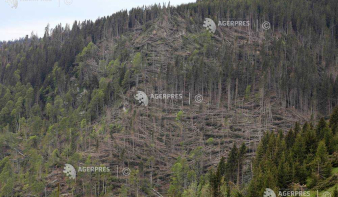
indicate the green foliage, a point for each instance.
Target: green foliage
{"x":53,"y":89}
{"x":137,"y":60}
{"x":335,"y":192}
{"x":334,"y":120}
{"x":179,"y":116}
{"x":247,"y":92}
{"x":323,"y":166}
{"x":87,"y":52}
{"x":126,"y":80}
{"x":182,"y":176}
{"x":179,"y":169}
{"x":302,"y":156}
{"x":210,"y":141}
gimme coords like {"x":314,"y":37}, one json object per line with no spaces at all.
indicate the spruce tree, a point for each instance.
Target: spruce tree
{"x":334,"y":120}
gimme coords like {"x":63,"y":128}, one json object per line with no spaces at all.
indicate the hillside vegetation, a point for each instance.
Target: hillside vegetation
{"x":303,"y":159}
{"x":68,"y":98}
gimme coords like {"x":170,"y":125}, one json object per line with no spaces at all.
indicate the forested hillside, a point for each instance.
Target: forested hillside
{"x":68,"y":98}
{"x":304,"y":158}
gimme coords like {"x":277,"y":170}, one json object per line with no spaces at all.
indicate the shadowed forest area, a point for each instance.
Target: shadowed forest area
{"x":267,"y":118}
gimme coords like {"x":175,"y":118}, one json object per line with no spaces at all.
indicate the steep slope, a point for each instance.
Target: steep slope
{"x":69,"y":97}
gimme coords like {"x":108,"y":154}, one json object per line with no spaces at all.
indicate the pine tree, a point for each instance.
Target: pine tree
{"x":282,"y":173}
{"x":322,"y":164}
{"x":320,"y":127}
{"x":240,"y":162}
{"x":232,"y":164}
{"x":335,"y":192}
{"x":334,"y":120}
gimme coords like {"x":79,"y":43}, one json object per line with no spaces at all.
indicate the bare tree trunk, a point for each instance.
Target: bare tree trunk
{"x":236,"y":92}
{"x":229,"y":93}
{"x":219,"y":91}
{"x":238,"y":173}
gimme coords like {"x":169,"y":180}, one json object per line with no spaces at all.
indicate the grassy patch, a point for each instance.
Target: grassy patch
{"x":335,"y":171}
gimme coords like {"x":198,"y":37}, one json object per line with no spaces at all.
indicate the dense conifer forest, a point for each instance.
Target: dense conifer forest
{"x":267,"y":119}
